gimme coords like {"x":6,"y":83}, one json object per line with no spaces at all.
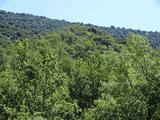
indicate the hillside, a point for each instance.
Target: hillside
{"x":20,"y":25}
{"x":57,"y":70}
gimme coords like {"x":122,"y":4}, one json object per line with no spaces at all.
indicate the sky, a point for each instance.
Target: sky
{"x":135,"y":14}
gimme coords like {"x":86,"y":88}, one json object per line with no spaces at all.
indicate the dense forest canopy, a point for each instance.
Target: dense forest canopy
{"x":20,"y":25}
{"x":78,"y":72}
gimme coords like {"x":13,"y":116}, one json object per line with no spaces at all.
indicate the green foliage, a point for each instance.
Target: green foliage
{"x":121,"y":33}
{"x":79,"y":73}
